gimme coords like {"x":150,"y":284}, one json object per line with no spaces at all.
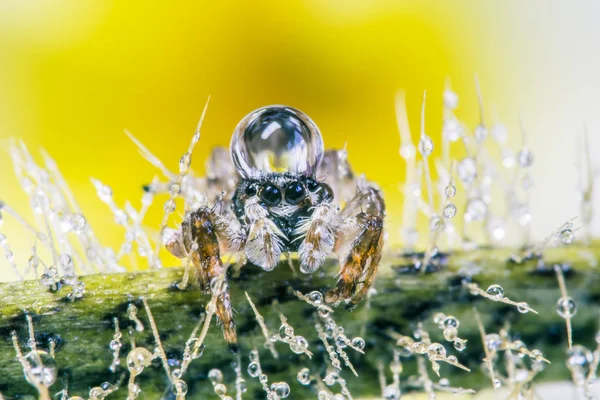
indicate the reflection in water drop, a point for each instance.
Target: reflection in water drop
{"x":276,"y":139}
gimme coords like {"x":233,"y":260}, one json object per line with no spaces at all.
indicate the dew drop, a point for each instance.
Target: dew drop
{"x":499,"y":133}
{"x":425,"y":146}
{"x":566,"y":236}
{"x":493,"y":341}
{"x":138,"y":359}
{"x":467,"y":170}
{"x":184,"y":163}
{"x":480,"y":133}
{"x":358,"y":343}
{"x":451,"y":129}
{"x":451,"y":321}
{"x":476,"y":210}
{"x":450,"y":99}
{"x":579,"y":356}
{"x":566,"y":307}
{"x":43,"y":368}
{"x":391,"y":392}
{"x":450,"y":334}
{"x":523,"y":308}
{"x":220,"y":389}
{"x":329,"y":380}
{"x":304,"y":376}
{"x":169,"y":206}
{"x":179,"y":387}
{"x":450,"y":190}
{"x":525,"y":158}
{"x":495,"y":291}
{"x":316,"y":297}
{"x":436,"y":224}
{"x":460,"y":344}
{"x":282,"y":389}
{"x":299,"y":345}
{"x":437,"y":349}
{"x":253,"y":369}
{"x":449,"y":210}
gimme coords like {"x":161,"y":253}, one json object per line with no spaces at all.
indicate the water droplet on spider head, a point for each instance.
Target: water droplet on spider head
{"x":43,"y":368}
{"x":276,"y":139}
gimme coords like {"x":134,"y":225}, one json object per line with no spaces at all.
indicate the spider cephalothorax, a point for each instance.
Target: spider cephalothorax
{"x":282,"y":205}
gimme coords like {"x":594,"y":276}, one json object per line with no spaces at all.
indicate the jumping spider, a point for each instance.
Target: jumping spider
{"x":280,"y":204}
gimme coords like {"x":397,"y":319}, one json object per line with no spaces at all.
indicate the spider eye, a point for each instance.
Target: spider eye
{"x":270,"y":194}
{"x":295,"y":192}
{"x":312,"y":184}
{"x":325,"y":192}
{"x":276,"y":139}
{"x":251,"y":190}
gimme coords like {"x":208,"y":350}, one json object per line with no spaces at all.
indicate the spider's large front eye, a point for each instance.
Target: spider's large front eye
{"x":294,"y":192}
{"x":276,"y":139}
{"x":270,"y":194}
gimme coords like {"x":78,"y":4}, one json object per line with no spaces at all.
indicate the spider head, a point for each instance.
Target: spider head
{"x":277,"y":151}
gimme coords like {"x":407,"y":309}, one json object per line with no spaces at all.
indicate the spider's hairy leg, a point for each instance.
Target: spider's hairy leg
{"x":198,"y":239}
{"x":232,"y":236}
{"x":265,"y":240}
{"x":359,"y":244}
{"x":318,"y":237}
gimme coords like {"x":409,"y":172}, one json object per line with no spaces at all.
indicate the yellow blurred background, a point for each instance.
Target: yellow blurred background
{"x":75,"y":74}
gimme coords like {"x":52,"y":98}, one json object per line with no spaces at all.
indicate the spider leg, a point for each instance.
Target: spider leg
{"x":199,"y":239}
{"x":264,"y":243}
{"x":318,"y":237}
{"x":359,"y":243}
